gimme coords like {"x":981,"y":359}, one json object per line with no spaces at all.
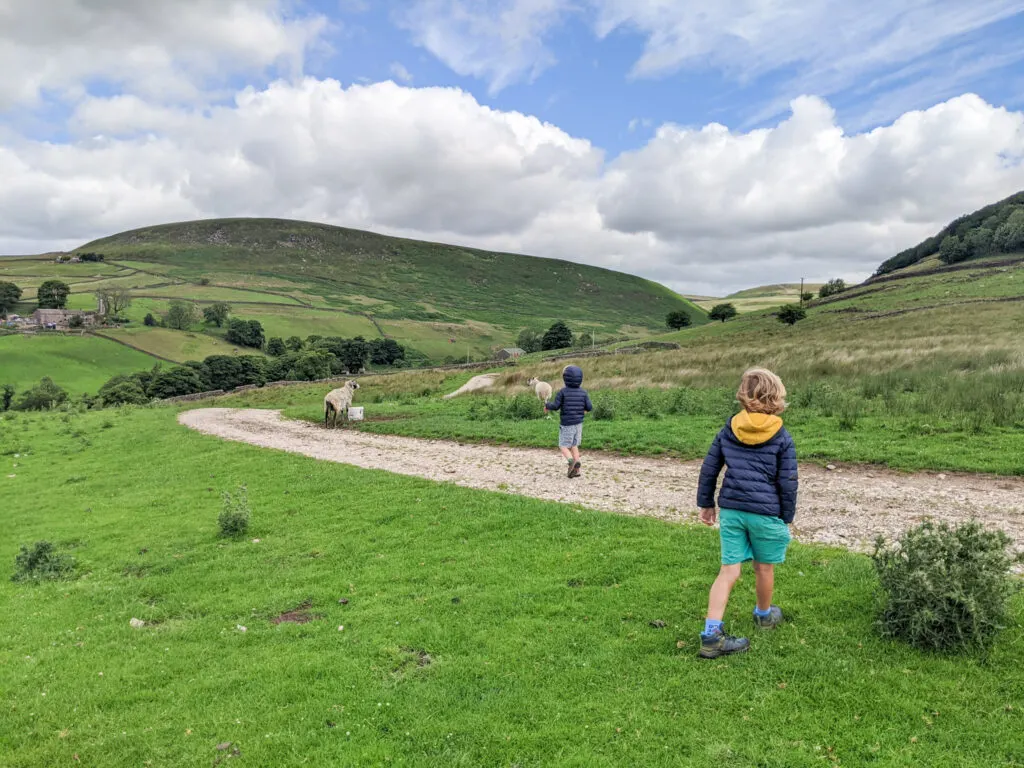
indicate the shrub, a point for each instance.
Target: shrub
{"x":6,"y":396}
{"x":604,"y":411}
{"x":677,"y":319}
{"x":945,"y":588}
{"x":149,"y":320}
{"x":77,"y":321}
{"x":234,"y":518}
{"x":41,"y":563}
{"x":124,"y":392}
{"x":805,"y":297}
{"x":42,"y":397}
{"x":791,"y":314}
{"x":523,"y":407}
{"x":831,"y":288}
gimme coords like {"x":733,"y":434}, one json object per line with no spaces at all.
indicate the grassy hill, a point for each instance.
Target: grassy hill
{"x":759,"y":298}
{"x":301,"y":278}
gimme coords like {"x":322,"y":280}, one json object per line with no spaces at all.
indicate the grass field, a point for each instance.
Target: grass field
{"x":79,"y":364}
{"x":481,"y":629}
{"x":178,"y":346}
{"x":760,"y":298}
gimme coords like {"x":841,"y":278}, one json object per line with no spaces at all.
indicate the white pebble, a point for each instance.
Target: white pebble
{"x":341,"y":628}
{"x":240,"y":628}
{"x":137,"y":623}
{"x":255,"y":541}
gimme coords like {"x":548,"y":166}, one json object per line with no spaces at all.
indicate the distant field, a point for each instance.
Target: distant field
{"x":761,"y":298}
{"x":79,"y":364}
{"x":179,"y":346}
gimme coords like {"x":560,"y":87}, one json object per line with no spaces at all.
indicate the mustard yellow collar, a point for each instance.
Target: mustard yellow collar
{"x":755,"y":428}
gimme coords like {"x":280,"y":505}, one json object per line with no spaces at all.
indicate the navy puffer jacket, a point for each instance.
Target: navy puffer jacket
{"x":761,"y":471}
{"x":573,"y":401}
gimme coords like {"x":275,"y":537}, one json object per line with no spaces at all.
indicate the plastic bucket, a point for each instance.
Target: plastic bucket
{"x":355,"y":413}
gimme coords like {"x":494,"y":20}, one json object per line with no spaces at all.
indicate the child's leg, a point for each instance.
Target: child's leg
{"x":575,"y":453}
{"x":764,"y":574}
{"x":567,"y":454}
{"x":720,"y":590}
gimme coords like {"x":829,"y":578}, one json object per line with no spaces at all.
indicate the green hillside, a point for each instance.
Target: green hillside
{"x":990,"y":232}
{"x":78,"y":364}
{"x":302,"y":278}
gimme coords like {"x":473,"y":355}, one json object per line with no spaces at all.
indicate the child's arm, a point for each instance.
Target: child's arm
{"x":709,"y":472}
{"x":786,"y":481}
{"x":554,"y":405}
{"x":587,"y":406}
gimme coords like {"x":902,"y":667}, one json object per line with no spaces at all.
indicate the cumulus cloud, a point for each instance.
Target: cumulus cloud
{"x":705,"y":210}
{"x":162,"y":49}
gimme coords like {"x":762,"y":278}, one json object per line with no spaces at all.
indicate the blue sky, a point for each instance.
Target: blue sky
{"x":707,"y":144}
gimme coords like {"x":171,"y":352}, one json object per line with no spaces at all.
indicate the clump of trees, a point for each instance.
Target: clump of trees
{"x":677,"y":319}
{"x":89,"y":256}
{"x":53,"y":294}
{"x":791,"y":314}
{"x":42,"y":397}
{"x":558,"y":336}
{"x":181,"y":315}
{"x":246,"y":333}
{"x":831,"y":288}
{"x":722,"y":312}
{"x":10,"y":294}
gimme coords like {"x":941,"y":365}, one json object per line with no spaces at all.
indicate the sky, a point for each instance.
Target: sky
{"x":710,"y":146}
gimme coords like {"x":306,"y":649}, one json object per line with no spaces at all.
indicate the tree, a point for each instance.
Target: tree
{"x":77,"y":321}
{"x":227,"y":372}
{"x":677,"y":319}
{"x":386,"y":352}
{"x":529,"y":340}
{"x":558,"y":336}
{"x":9,"y":295}
{"x":127,"y":392}
{"x":6,"y":395}
{"x":175,"y":382}
{"x":245,"y":333}
{"x":149,"y":319}
{"x":981,"y":241}
{"x":42,"y":397}
{"x":354,"y":354}
{"x":182,"y":315}
{"x":90,"y":256}
{"x":276,"y":347}
{"x":217,"y":313}
{"x":805,"y":297}
{"x":53,"y":294}
{"x":294,"y":343}
{"x":831,"y":288}
{"x":114,"y":300}
{"x":791,"y":314}
{"x":585,"y":340}
{"x":722,"y":312}
{"x":1010,"y":235}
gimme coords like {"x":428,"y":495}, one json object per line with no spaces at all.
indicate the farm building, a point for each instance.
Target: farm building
{"x":509,"y":353}
{"x":61,"y":318}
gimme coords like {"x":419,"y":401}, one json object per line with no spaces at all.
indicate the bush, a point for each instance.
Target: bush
{"x":677,"y":319}
{"x":234,"y":518}
{"x":603,"y":411}
{"x":831,"y":288}
{"x":6,"y":396}
{"x":42,"y":397}
{"x":245,"y":333}
{"x":149,"y":320}
{"x":791,"y":314}
{"x":945,"y":588}
{"x":523,"y":407}
{"x":127,"y":392}
{"x":41,"y":563}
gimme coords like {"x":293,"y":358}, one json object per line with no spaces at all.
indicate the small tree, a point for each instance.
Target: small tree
{"x":6,"y":396}
{"x":114,"y":300}
{"x":294,"y":343}
{"x":805,"y":297}
{"x":1009,"y":237}
{"x":276,"y":347}
{"x":529,"y":340}
{"x":77,"y":321}
{"x":585,"y":340}
{"x":558,"y":336}
{"x":677,"y":319}
{"x":233,"y":520}
{"x":149,"y":320}
{"x":791,"y":314}
{"x":53,"y":294}
{"x":182,"y":315}
{"x":174,"y":382}
{"x":127,"y":392}
{"x":42,"y":397}
{"x":831,"y":288}
{"x":217,"y":313}
{"x":722,"y":312}
{"x":9,"y":296}
{"x":245,"y":333}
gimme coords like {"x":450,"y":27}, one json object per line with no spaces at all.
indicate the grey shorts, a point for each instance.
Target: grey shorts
{"x":570,"y":436}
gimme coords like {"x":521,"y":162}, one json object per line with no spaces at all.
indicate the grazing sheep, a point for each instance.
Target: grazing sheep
{"x":542,"y":388}
{"x":337,"y":403}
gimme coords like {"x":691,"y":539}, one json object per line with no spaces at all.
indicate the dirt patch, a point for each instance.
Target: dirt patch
{"x":846,"y":507}
{"x":418,"y":656}
{"x":299,"y":615}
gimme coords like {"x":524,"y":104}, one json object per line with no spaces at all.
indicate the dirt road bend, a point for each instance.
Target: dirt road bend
{"x":846,"y":507}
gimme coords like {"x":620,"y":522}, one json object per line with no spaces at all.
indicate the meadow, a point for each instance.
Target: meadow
{"x":80,"y":364}
{"x":479,"y":628}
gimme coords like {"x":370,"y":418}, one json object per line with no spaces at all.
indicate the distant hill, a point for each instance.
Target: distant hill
{"x":992,"y":231}
{"x":780,"y":289}
{"x":300,"y":278}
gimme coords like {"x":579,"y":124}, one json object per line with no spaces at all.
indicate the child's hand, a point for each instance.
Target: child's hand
{"x":708,"y":515}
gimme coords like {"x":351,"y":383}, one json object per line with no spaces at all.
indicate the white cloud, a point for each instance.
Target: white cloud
{"x":400,"y":72}
{"x":168,"y":50}
{"x":705,"y":211}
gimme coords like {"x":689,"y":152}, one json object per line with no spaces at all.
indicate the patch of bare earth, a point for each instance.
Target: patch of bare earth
{"x":846,"y":507}
{"x":299,"y":615}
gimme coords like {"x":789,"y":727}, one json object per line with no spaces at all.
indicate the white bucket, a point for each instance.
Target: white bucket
{"x":355,"y":413}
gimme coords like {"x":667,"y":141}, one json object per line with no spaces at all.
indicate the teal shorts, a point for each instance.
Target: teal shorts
{"x":748,"y":536}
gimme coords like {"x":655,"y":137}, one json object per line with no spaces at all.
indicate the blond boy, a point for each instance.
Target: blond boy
{"x":757,"y":501}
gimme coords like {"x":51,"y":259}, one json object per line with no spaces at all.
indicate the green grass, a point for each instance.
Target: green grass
{"x":79,"y":364}
{"x":535,"y":617}
{"x":179,"y":346}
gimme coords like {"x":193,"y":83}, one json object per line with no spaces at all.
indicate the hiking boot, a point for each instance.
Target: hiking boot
{"x":574,"y":470}
{"x":571,"y":468}
{"x":772,"y":620}
{"x":720,"y":644}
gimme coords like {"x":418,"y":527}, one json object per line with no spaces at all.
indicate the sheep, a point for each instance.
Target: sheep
{"x":337,"y":402}
{"x":542,"y":388}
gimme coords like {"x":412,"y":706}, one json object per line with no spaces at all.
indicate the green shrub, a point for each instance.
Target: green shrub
{"x":604,"y":410}
{"x":849,"y":411}
{"x":42,"y":563}
{"x":523,"y":407}
{"x":234,"y":518}
{"x":945,"y":588}
{"x":42,"y":397}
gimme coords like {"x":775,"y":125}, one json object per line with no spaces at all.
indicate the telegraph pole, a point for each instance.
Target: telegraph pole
{"x":801,"y":291}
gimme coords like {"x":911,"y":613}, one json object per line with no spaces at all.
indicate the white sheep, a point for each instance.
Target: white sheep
{"x":337,"y":402}
{"x":543,"y":390}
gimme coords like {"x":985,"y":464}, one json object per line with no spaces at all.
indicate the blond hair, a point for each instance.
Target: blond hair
{"x":761,"y":391}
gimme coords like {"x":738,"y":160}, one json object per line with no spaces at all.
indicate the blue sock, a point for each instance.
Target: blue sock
{"x":762,"y":614}
{"x":711,"y":626}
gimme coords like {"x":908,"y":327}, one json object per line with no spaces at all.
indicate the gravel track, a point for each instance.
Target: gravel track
{"x":847,"y":507}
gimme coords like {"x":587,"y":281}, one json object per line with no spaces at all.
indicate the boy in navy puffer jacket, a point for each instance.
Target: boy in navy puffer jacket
{"x":574,"y":403}
{"x":757,"y":500}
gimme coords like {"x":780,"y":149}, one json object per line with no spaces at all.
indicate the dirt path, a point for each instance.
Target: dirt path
{"x":847,"y":507}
